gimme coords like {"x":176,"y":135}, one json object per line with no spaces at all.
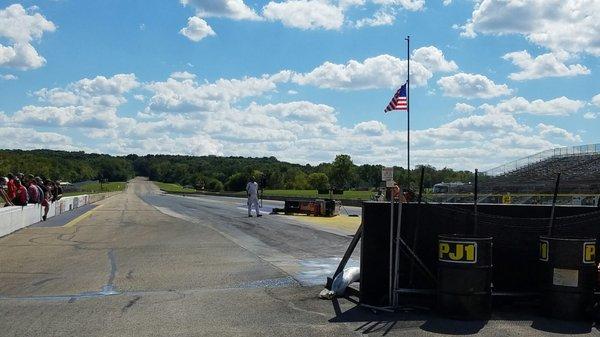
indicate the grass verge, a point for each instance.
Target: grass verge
{"x":93,"y":188}
{"x":174,"y":188}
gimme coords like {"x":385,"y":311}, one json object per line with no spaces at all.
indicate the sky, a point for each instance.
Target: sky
{"x":302,"y":80}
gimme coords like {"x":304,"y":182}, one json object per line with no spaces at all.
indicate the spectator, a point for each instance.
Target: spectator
{"x":21,"y":194}
{"x":59,"y":191}
{"x":46,"y":196}
{"x":55,"y":191}
{"x":3,"y":192}
{"x":11,"y":189}
{"x":41,"y":189}
{"x":33,"y":191}
{"x":50,"y":190}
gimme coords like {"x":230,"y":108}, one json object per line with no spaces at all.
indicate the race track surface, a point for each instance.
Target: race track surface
{"x":143,"y":263}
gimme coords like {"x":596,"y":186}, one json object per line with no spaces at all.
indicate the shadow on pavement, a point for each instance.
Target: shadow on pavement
{"x":382,"y":322}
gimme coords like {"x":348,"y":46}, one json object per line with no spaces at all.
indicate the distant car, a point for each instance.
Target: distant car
{"x":447,"y":187}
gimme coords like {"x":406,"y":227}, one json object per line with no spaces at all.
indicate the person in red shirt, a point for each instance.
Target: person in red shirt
{"x":11,"y":189}
{"x":33,"y":191}
{"x":21,"y":194}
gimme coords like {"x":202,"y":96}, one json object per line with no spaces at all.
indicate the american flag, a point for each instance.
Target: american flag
{"x":399,"y":101}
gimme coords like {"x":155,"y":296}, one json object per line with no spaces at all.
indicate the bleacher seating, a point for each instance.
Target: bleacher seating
{"x":580,"y":173}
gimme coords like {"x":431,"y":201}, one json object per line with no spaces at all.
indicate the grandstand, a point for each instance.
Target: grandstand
{"x":579,"y":167}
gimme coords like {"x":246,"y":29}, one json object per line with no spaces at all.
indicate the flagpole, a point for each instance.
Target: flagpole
{"x":408,"y":108}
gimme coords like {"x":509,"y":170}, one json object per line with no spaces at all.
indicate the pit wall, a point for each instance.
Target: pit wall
{"x":14,"y":218}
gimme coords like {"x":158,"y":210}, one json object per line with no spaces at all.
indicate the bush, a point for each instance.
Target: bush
{"x":214,"y":185}
{"x":236,"y":182}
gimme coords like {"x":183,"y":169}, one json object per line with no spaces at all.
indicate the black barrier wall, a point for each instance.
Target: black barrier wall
{"x":515,"y":228}
{"x":374,"y":254}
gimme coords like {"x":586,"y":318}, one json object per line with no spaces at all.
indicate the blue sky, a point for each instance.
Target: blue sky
{"x":302,"y":80}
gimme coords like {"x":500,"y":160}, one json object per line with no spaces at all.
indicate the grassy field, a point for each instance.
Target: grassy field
{"x":176,"y":188}
{"x":359,"y":195}
{"x":94,"y":187}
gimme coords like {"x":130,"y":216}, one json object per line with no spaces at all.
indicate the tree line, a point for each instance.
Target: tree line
{"x":212,"y":172}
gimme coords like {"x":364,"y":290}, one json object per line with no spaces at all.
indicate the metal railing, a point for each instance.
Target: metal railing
{"x":538,"y":157}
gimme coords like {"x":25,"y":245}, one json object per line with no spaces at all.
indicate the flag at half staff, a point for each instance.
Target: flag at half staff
{"x":399,"y":101}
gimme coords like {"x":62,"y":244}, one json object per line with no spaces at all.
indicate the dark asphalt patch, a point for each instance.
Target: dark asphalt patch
{"x":65,"y":218}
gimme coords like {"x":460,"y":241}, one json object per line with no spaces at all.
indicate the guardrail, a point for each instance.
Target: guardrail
{"x":14,"y":218}
{"x":538,"y":157}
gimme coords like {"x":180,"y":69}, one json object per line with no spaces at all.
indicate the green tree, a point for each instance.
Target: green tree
{"x":370,"y":175}
{"x":237,"y":182}
{"x":318,"y":181}
{"x":342,"y":173}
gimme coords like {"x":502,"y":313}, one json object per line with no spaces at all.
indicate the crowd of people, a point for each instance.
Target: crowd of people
{"x":20,"y":190}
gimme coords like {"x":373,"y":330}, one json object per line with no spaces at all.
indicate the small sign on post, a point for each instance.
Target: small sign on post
{"x":387,"y":175}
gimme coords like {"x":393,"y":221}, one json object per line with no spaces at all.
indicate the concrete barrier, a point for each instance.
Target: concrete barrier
{"x":16,"y":217}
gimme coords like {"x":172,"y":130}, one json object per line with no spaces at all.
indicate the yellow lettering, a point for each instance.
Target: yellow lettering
{"x":458,"y":254}
{"x":470,"y":250}
{"x":444,"y":249}
{"x":589,"y":253}
{"x":544,"y":250}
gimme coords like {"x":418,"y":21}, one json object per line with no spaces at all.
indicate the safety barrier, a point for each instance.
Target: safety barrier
{"x":16,"y":217}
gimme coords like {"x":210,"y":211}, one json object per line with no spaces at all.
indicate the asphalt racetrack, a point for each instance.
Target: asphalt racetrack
{"x":143,"y":263}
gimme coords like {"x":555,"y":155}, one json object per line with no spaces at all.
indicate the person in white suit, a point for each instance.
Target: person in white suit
{"x":252,"y":192}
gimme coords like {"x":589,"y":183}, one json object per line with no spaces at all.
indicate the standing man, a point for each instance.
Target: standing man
{"x":252,"y":192}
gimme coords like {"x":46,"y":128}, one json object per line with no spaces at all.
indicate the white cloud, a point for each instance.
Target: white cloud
{"x":383,"y":17}
{"x":554,"y":131}
{"x":350,"y":3}
{"x":100,"y":91}
{"x":187,"y":95}
{"x":590,"y":115}
{"x":596,"y":100}
{"x":305,"y":14}
{"x":197,"y":29}
{"x":185,"y":116}
{"x":383,"y":71}
{"x":8,"y":77}
{"x":463,"y":107}
{"x":21,"y":28}
{"x":546,"y":65}
{"x":412,"y":5}
{"x":232,"y":9}
{"x":30,"y":139}
{"x":433,"y":59}
{"x":302,"y":111}
{"x":18,"y":25}
{"x":87,"y":103}
{"x":182,"y":75}
{"x":66,"y":116}
{"x":370,"y":128}
{"x":561,"y":106}
{"x":570,"y":25}
{"x":447,"y":2}
{"x":472,"y":86}
{"x":21,"y":56}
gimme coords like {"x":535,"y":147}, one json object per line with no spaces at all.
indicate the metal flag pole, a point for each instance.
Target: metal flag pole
{"x":408,"y":108}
